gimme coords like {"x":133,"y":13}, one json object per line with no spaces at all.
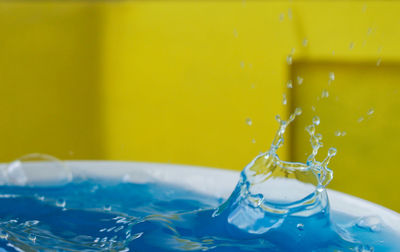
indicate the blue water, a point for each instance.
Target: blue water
{"x":104,"y":215}
{"x":276,"y":206}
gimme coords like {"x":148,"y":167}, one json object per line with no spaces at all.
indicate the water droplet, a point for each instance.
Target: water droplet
{"x":32,"y":237}
{"x":369,"y":31}
{"x":300,"y":226}
{"x":371,"y":223}
{"x":61,"y":203}
{"x":338,"y":133}
{"x":318,"y":136}
{"x":344,"y":133}
{"x":351,"y":45}
{"x":316,"y":120}
{"x":298,"y":111}
{"x":249,"y":121}
{"x":253,"y":85}
{"x":289,"y":84}
{"x":25,"y":170}
{"x":364,"y":8}
{"x":378,"y":62}
{"x":242,"y":64}
{"x":310,"y":129}
{"x":332,"y":76}
{"x":253,"y":141}
{"x":324,"y":94}
{"x":313,"y":108}
{"x":305,"y":42}
{"x":284,"y":100}
{"x":3,"y":234}
{"x":289,"y":59}
{"x":360,"y":119}
{"x":289,"y":14}
{"x":235,"y":33}
{"x":332,"y":152}
{"x":278,"y":118}
{"x":281,"y":17}
{"x":370,"y":111}
{"x":299,"y":80}
{"x":107,"y":208}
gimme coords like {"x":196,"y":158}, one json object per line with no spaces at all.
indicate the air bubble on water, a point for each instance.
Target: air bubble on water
{"x":300,"y":226}
{"x":378,"y":62}
{"x":25,"y":171}
{"x":351,"y":45}
{"x":299,"y":80}
{"x":32,"y":237}
{"x":61,"y":203}
{"x":332,"y":76}
{"x":298,"y":111}
{"x":371,"y":223}
{"x":249,"y":121}
{"x":370,"y":111}
{"x":284,"y":99}
{"x":316,"y":120}
{"x":289,"y":84}
{"x":305,"y":42}
{"x":107,"y":208}
{"x":289,"y":59}
{"x":324,"y":94}
{"x":3,"y":234}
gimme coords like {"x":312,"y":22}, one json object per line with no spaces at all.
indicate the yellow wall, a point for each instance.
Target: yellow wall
{"x":174,"y":81}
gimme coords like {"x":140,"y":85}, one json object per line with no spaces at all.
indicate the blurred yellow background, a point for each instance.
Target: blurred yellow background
{"x":200,"y":82}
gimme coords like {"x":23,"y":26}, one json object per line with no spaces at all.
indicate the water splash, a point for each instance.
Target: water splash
{"x":261,"y":205}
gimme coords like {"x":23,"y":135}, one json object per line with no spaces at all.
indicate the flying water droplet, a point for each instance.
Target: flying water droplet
{"x":338,"y":133}
{"x":284,"y":100}
{"x":253,"y":141}
{"x":313,"y":108}
{"x":289,"y":59}
{"x":351,"y":45}
{"x":281,"y":17}
{"x":316,"y":120}
{"x":289,"y":84}
{"x":242,"y":64}
{"x":360,"y":119}
{"x":235,"y":33}
{"x":370,"y":111}
{"x":332,"y":76}
{"x":324,"y":94}
{"x":299,"y":80}
{"x":290,"y":14}
{"x":298,"y":111}
{"x":249,"y":121}
{"x":378,"y":62}
{"x":300,"y":226}
{"x":332,"y":152}
{"x":305,"y":42}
